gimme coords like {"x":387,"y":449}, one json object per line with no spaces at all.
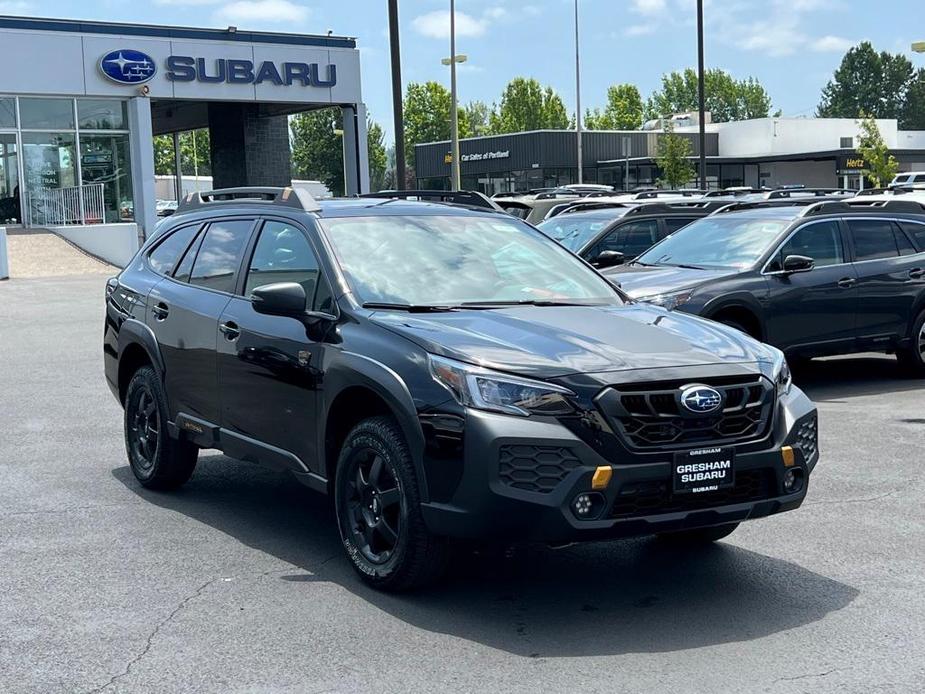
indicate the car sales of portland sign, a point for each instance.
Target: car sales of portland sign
{"x":128,"y":66}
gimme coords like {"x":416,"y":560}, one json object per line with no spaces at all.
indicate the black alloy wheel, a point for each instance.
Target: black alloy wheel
{"x":144,"y":426}
{"x":374,"y":506}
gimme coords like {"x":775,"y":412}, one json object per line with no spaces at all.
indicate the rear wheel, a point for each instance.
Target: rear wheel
{"x":699,"y":536}
{"x":157,"y":460}
{"x":377,"y":501}
{"x":912,"y":358}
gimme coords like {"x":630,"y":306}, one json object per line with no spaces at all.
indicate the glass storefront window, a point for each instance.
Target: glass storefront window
{"x":7,"y":112}
{"x":104,"y":160}
{"x":102,"y":114}
{"x":50,"y":164}
{"x":9,"y":180}
{"x":46,"y":114}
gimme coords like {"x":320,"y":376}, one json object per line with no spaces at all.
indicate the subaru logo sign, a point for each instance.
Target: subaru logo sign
{"x":701,"y":399}
{"x":128,"y":66}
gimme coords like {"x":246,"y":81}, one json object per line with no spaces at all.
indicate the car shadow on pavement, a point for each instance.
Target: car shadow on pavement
{"x":835,"y":378}
{"x":595,"y":599}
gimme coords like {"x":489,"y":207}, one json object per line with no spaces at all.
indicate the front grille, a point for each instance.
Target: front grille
{"x":655,"y":497}
{"x":808,"y":437}
{"x":535,"y":468}
{"x":651,"y":415}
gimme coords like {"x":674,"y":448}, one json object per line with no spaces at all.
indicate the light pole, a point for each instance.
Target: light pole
{"x":454,"y":120}
{"x":700,"y":97}
{"x":918,"y":46}
{"x":578,"y":98}
{"x":397,"y":107}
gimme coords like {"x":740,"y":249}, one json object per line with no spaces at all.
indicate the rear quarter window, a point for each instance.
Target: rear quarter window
{"x":916,"y":232}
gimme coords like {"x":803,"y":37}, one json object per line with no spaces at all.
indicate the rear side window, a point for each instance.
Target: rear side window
{"x":902,"y":242}
{"x":630,"y":239}
{"x":873,"y":239}
{"x":220,"y":254}
{"x":166,"y":254}
{"x":919,"y":179}
{"x":672,"y":224}
{"x":916,"y":232}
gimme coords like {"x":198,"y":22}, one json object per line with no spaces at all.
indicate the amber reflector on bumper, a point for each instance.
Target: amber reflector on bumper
{"x":601,"y":477}
{"x":787,"y":454}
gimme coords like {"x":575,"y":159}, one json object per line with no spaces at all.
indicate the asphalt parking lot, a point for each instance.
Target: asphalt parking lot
{"x":237,"y":583}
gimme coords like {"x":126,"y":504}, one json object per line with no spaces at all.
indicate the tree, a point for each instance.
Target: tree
{"x":867,"y":82}
{"x":622,"y":112}
{"x":913,"y":113}
{"x":192,"y":160}
{"x":527,"y":105}
{"x":318,"y":149}
{"x":726,"y":98}
{"x":881,"y":165}
{"x":427,"y":116}
{"x":477,"y":117}
{"x":672,"y":158}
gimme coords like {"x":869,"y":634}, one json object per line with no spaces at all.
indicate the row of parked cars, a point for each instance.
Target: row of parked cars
{"x":449,"y":372}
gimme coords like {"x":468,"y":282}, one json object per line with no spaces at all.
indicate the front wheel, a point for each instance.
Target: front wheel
{"x":699,"y":536}
{"x":912,"y":358}
{"x":377,"y":501}
{"x":157,"y":460}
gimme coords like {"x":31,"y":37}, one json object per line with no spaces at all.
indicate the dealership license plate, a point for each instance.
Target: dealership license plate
{"x":703,"y":470}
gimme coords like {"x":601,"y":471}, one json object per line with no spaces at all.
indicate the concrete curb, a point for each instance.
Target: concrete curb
{"x":4,"y":260}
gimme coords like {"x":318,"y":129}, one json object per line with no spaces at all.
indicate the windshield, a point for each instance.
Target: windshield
{"x":452,"y":260}
{"x":716,"y":242}
{"x":574,"y":232}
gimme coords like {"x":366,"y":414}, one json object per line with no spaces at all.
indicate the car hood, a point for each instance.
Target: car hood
{"x":553,"y":341}
{"x":639,"y":281}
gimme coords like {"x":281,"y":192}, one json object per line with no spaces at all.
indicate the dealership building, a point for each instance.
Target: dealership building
{"x":817,"y":152}
{"x":81,"y":102}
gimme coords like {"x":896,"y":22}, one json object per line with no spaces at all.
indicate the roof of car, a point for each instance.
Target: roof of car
{"x":365,"y":207}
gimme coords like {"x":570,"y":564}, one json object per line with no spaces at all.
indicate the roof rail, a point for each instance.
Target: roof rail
{"x":285,"y":197}
{"x":469,"y":198}
{"x":582,"y":206}
{"x":757,"y":204}
{"x":855,"y":206}
{"x":669,"y":207}
{"x":652,"y":194}
{"x":807,"y":192}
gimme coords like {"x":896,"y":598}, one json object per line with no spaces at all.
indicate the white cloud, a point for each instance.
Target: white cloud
{"x":436,"y":24}
{"x":831,"y":44}
{"x":16,"y":7}
{"x":649,"y":7}
{"x":186,"y":3}
{"x":262,"y":12}
{"x":639,"y":29}
{"x":495,"y":13}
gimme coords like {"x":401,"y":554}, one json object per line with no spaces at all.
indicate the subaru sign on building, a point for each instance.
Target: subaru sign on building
{"x":77,"y":126}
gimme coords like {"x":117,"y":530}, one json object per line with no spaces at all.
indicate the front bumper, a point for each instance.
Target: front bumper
{"x":637,"y":501}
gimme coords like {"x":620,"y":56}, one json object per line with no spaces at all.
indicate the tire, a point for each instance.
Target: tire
{"x":378,"y":506}
{"x":912,"y":358}
{"x":157,"y":460}
{"x":698,"y":536}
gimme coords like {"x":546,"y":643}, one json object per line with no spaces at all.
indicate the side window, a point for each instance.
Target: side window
{"x":185,"y":266}
{"x":631,"y":239}
{"x":902,"y":241}
{"x":166,"y":254}
{"x":283,"y":254}
{"x":820,"y":241}
{"x":220,"y":253}
{"x":916,"y":232}
{"x":672,"y":224}
{"x":919,"y":178}
{"x":873,"y":239}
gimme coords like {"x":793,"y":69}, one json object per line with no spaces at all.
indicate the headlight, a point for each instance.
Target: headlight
{"x":489,"y":390}
{"x":780,"y":372}
{"x":669,"y":301}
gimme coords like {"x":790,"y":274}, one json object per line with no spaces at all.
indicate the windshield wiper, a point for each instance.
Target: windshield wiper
{"x":691,"y":267}
{"x":410,"y":308}
{"x":524,"y":302}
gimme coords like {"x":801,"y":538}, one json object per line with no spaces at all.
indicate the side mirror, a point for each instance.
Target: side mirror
{"x":608,"y":259}
{"x":279,"y":299}
{"x":798,"y":263}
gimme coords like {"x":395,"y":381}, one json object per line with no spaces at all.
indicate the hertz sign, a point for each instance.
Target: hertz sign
{"x":851,"y":164}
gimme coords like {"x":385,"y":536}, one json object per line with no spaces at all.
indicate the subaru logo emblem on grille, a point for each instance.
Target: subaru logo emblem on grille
{"x":701,"y":399}
{"x":128,"y":66}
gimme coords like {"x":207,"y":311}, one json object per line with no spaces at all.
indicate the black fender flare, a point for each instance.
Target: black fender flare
{"x":352,"y":369}
{"x":134,"y":332}
{"x":740,"y":300}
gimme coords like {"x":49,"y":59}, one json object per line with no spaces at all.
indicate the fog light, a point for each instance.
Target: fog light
{"x":588,"y":505}
{"x":793,"y":480}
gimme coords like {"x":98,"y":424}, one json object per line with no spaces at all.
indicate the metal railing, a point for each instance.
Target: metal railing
{"x":61,"y":206}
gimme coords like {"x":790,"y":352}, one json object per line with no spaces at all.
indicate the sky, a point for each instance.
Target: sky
{"x":791,"y":46}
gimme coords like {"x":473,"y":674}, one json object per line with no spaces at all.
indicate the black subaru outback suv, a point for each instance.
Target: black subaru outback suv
{"x":812,"y":278}
{"x":444,"y":372}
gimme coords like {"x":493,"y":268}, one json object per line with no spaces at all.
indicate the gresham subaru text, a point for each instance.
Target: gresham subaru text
{"x":445,"y":373}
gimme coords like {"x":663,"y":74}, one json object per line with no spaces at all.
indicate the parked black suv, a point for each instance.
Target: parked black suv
{"x":445,"y":372}
{"x":608,"y":234}
{"x":812,"y":279}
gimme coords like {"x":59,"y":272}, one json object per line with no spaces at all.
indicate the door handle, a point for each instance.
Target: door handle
{"x":846,"y":282}
{"x":916,"y":273}
{"x":230,"y":330}
{"x":160,"y":310}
